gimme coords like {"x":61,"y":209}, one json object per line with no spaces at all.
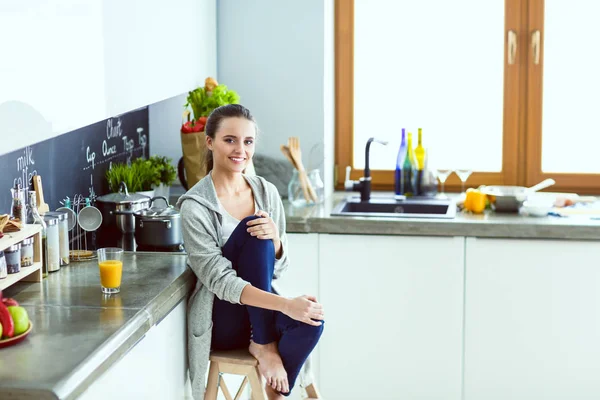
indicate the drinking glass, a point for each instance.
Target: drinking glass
{"x":442,"y":174}
{"x":110,"y":262}
{"x":463,"y":175}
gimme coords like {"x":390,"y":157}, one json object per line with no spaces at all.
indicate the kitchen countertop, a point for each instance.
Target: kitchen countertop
{"x":78,"y":333}
{"x":317,"y":219}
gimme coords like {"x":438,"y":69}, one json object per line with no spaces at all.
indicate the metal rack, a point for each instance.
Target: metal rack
{"x":78,"y":244}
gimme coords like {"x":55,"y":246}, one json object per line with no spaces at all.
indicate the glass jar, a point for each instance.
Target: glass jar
{"x":3,"y":270}
{"x":13,"y":258}
{"x":296,"y":193}
{"x":27,"y":252}
{"x":52,"y":243}
{"x":63,"y":234}
{"x":19,"y":209}
{"x":318,"y":186}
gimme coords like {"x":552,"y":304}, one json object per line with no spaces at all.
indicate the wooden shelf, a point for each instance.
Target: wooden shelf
{"x":25,"y":272}
{"x":16,"y":237}
{"x":32,"y":273}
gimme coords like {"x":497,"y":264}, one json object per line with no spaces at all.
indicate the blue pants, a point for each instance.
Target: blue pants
{"x":235,"y":324}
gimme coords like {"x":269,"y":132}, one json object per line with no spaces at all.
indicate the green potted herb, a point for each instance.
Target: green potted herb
{"x":166,"y":175}
{"x":140,"y":177}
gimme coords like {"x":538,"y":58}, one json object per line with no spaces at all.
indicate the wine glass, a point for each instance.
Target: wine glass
{"x":463,"y":175}
{"x":442,"y":174}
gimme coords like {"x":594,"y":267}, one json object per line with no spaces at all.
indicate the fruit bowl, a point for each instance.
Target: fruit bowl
{"x":16,"y":339}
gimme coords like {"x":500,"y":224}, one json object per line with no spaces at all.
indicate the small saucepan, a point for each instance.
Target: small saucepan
{"x":158,"y":226}
{"x":511,"y":198}
{"x":117,"y":208}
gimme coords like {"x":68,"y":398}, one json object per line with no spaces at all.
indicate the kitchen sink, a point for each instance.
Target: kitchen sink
{"x":390,"y":207}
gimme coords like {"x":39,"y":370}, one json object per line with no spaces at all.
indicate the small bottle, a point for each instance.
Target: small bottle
{"x":420,"y":151}
{"x":3,"y":269}
{"x":398,"y":188}
{"x":409,"y":169}
{"x":37,"y":219}
{"x":420,"y":158}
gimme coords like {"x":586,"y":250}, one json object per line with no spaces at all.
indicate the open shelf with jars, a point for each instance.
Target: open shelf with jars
{"x":32,"y":273}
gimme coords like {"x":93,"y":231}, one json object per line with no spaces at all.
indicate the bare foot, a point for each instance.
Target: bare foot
{"x":272,"y":394}
{"x":270,"y":365}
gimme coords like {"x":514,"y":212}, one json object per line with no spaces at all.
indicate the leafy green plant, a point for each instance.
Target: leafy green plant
{"x":140,"y":176}
{"x":166,"y":170}
{"x":147,"y":174}
{"x":204,"y":102}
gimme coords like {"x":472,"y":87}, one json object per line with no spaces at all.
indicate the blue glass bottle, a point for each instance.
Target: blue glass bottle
{"x":398,"y":182}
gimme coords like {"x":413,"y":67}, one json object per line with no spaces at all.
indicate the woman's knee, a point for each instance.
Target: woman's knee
{"x":253,"y":240}
{"x":248,"y":219}
{"x":313,"y":331}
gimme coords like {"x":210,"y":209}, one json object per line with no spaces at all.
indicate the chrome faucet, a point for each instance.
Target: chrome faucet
{"x":363,"y":185}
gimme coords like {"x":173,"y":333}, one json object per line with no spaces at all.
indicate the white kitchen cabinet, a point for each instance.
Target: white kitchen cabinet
{"x":394,"y":317}
{"x":155,"y":368}
{"x":302,"y":277}
{"x":532,"y":319}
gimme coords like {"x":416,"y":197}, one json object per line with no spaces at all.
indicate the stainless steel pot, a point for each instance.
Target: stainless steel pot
{"x":117,"y":209}
{"x":156,"y":226}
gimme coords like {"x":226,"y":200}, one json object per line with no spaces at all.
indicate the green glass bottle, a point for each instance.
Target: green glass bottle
{"x":420,"y":156}
{"x":409,"y":168}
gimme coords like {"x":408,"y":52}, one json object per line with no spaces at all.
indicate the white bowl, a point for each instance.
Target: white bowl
{"x":537,"y":207}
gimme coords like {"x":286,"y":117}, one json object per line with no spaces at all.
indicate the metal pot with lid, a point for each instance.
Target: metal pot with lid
{"x":158,"y":226}
{"x":117,"y":208}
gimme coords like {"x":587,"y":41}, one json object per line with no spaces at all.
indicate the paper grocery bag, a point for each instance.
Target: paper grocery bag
{"x":194,"y":154}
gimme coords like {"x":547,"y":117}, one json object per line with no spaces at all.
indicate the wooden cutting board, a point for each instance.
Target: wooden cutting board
{"x":37,"y":186}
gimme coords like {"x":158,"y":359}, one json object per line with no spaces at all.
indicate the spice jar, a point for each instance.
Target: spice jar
{"x":3,"y":271}
{"x":27,"y":252}
{"x":52,"y":243}
{"x":19,"y":211}
{"x":63,"y":234}
{"x":13,"y":258}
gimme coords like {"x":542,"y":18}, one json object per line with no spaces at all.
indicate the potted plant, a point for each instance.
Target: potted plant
{"x":166,"y":175}
{"x":202,"y":101}
{"x":140,"y":177}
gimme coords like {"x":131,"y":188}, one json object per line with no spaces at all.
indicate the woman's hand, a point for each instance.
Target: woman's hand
{"x":305,"y":309}
{"x":265,"y":228}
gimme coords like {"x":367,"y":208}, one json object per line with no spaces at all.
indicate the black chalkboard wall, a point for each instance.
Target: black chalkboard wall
{"x":75,"y":162}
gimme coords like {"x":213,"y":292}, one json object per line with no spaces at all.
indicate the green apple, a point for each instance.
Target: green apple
{"x":20,"y":318}
{"x":0,"y":331}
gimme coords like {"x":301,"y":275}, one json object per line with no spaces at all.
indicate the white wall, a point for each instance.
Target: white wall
{"x":69,"y":63}
{"x":278,"y":55}
{"x":165,"y":116}
{"x":165,"y":125}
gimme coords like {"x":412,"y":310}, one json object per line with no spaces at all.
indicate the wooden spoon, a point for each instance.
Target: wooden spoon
{"x":286,"y":152}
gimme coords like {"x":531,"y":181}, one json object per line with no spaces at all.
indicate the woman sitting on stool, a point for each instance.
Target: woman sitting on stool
{"x":234,"y":234}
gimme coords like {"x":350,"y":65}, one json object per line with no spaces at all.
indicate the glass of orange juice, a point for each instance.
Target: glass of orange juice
{"x":110,"y":262}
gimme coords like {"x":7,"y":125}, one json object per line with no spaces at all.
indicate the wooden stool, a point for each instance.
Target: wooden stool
{"x":238,"y":362}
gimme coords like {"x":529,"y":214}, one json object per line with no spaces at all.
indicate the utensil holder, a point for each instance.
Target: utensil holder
{"x":296,"y":193}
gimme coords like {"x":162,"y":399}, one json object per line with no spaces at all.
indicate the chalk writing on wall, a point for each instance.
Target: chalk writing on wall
{"x":76,"y":162}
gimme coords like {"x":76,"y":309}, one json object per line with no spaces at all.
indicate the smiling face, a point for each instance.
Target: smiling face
{"x":233,"y":144}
